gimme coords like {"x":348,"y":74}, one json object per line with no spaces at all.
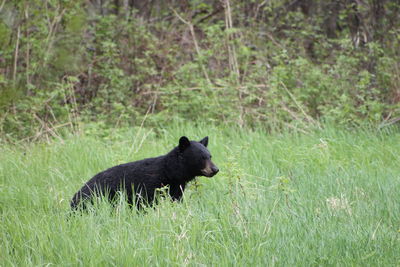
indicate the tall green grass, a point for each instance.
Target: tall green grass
{"x":326,"y":198}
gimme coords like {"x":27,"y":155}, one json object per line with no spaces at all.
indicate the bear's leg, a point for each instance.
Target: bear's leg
{"x":144,"y":196}
{"x":176,"y":191}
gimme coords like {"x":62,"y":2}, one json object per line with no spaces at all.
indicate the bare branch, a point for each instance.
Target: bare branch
{"x":191,"y":28}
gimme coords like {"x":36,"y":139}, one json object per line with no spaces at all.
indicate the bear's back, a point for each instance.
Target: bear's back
{"x":146,"y":173}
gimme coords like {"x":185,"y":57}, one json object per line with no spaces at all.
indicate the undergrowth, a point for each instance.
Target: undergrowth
{"x":261,"y":64}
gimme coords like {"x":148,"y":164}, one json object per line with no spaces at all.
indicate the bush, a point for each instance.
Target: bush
{"x":262,"y":65}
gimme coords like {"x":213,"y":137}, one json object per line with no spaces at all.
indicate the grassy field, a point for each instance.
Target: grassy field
{"x":326,"y":198}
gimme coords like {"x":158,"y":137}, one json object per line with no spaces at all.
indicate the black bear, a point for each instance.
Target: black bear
{"x":140,"y":179}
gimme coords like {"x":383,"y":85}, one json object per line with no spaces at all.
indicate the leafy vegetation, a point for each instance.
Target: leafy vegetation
{"x":326,"y":198}
{"x":271,"y":64}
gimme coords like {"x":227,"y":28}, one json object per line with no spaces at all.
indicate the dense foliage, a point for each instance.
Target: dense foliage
{"x":274,"y":64}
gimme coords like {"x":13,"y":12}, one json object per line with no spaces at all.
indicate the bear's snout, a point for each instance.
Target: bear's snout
{"x":210,"y":170}
{"x":215,"y":170}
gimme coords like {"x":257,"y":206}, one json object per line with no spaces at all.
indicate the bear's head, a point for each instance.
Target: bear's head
{"x":196,"y":157}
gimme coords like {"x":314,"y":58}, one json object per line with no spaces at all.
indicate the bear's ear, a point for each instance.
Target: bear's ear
{"x":183,"y":143}
{"x":204,"y":141}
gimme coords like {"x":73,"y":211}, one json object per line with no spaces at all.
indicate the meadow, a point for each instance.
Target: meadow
{"x":323,"y":198}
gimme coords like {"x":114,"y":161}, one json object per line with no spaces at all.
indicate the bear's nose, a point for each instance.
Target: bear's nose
{"x":215,"y":170}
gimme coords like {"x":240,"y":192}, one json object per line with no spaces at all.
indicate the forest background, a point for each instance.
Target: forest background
{"x":275,"y":64}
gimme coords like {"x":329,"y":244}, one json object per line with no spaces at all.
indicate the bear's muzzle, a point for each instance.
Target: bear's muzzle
{"x":210,"y":170}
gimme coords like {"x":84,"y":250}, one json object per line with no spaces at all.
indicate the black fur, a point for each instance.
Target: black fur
{"x":141,"y":178}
